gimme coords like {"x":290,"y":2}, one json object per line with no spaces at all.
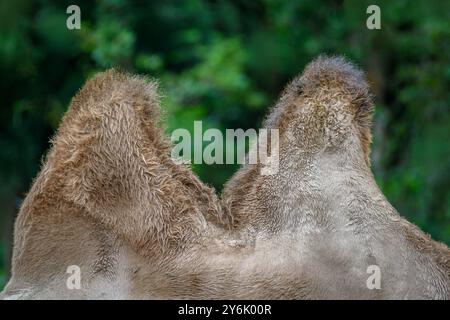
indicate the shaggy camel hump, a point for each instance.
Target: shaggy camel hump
{"x":107,"y":183}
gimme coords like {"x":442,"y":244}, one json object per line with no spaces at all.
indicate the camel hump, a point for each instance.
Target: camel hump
{"x":108,"y":137}
{"x":331,"y":96}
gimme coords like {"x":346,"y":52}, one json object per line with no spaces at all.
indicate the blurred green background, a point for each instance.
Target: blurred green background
{"x":225,"y":62}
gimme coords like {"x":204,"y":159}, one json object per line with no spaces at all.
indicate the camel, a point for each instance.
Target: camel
{"x":110,"y":200}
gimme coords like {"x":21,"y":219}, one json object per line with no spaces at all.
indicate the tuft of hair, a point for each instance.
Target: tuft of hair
{"x":117,"y":107}
{"x":340,"y":76}
{"x":103,"y":93}
{"x":327,"y":78}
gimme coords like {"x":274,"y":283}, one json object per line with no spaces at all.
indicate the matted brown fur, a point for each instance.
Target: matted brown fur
{"x":110,"y":200}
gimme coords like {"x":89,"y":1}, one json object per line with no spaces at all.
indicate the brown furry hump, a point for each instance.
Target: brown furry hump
{"x":338,"y":74}
{"x":112,"y":159}
{"x":336,"y":92}
{"x":341,"y":77}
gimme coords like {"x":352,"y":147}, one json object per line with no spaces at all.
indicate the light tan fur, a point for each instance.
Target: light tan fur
{"x":110,"y":199}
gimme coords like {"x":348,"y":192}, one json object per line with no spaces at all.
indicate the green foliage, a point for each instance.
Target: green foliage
{"x":225,"y":63}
